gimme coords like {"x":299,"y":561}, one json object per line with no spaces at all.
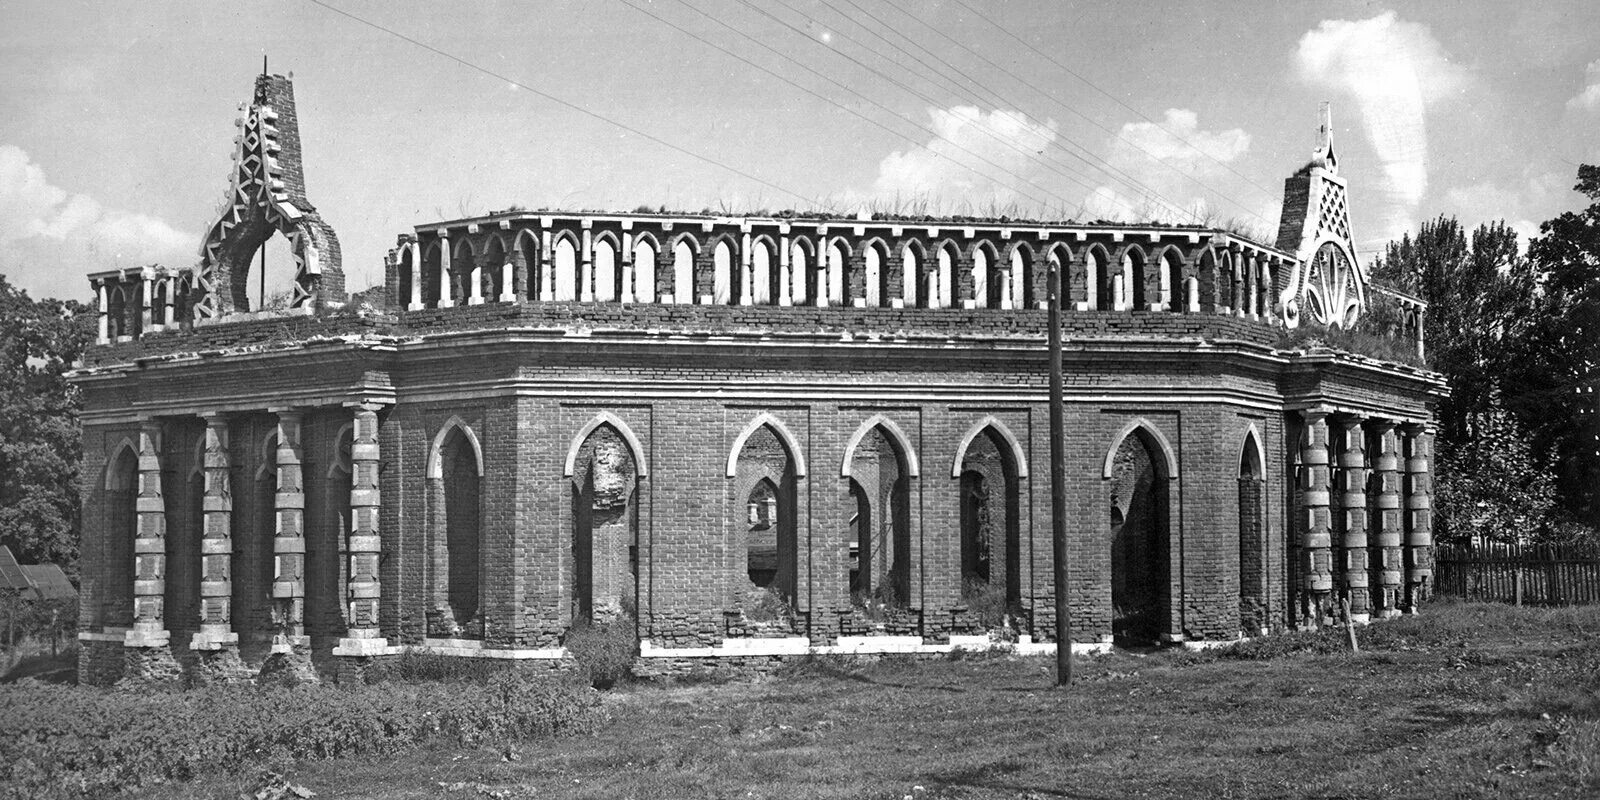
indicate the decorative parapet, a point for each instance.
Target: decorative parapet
{"x":1327,"y":285}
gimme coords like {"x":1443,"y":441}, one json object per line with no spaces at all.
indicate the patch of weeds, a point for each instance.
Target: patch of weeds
{"x":604,"y":651}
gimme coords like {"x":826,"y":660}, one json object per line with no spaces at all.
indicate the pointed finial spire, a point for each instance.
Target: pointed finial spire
{"x":1323,"y":156}
{"x":264,"y":68}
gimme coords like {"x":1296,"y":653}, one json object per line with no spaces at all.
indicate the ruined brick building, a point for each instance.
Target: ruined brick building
{"x":757,"y":436}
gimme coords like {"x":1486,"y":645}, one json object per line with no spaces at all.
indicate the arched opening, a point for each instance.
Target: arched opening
{"x":1139,"y":540}
{"x":1252,"y":539}
{"x":279,"y":288}
{"x":800,"y":271}
{"x":765,"y":480}
{"x":405,"y":280}
{"x":880,"y":532}
{"x":763,"y":275}
{"x":838,"y":282}
{"x":116,"y":312}
{"x":254,"y":548}
{"x":122,"y":527}
{"x":607,"y":278}
{"x":991,"y":565}
{"x":1133,"y":280}
{"x":945,"y":281}
{"x":683,"y":272}
{"x":605,"y":528}
{"x":986,"y":278}
{"x":456,"y":519}
{"x":1102,"y":297}
{"x":183,"y":301}
{"x":1175,"y":293}
{"x":431,"y":266}
{"x":492,"y":272}
{"x":915,"y":290}
{"x":644,"y":271}
{"x":1225,"y":289}
{"x":877,"y":276}
{"x":723,"y":290}
{"x":465,"y":273}
{"x":565,"y":269}
{"x":1022,"y":279}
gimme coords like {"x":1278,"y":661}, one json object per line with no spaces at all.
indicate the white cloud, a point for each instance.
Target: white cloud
{"x":1172,"y":171}
{"x":1392,"y":70}
{"x":50,"y":238}
{"x":1521,"y":206}
{"x":1589,"y":98}
{"x":950,"y":172}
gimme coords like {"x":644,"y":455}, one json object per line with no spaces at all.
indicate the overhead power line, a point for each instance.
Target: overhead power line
{"x":1091,"y":84}
{"x":565,"y":103}
{"x":1081,"y":153}
{"x":1071,"y":110}
{"x":629,"y":3}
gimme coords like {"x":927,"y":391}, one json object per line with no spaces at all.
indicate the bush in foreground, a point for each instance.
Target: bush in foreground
{"x":65,"y":741}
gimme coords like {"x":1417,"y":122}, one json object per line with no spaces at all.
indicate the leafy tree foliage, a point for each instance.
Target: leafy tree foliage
{"x":1517,"y":338}
{"x":1552,"y":363}
{"x":39,"y":430}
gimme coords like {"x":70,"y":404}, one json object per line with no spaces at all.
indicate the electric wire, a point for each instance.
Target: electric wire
{"x":565,"y":103}
{"x":629,"y":3}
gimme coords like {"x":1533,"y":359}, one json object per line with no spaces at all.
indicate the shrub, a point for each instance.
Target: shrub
{"x":83,"y":742}
{"x":604,"y":651}
{"x":764,"y":604}
{"x":412,"y":666}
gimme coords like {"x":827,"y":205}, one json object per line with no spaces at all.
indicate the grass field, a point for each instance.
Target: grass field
{"x":1466,"y":700}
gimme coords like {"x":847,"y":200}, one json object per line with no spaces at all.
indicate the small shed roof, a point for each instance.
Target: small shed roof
{"x":49,"y":582}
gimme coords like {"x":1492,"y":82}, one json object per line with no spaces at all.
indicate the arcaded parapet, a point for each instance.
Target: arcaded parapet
{"x":267,"y":194}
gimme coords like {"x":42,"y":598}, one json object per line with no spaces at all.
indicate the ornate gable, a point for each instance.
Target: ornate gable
{"x":267,"y":194}
{"x":1326,"y":286}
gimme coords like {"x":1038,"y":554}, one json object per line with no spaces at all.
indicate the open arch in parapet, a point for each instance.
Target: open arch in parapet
{"x":764,"y":467}
{"x":1169,"y":262}
{"x":494,"y":270}
{"x":463,"y":271}
{"x":1139,"y":472}
{"x":838,"y":272}
{"x":762,"y":275}
{"x":879,"y":466}
{"x":725,"y":287}
{"x":1059,"y":257}
{"x":605,"y":269}
{"x":1098,"y":279}
{"x":455,"y":532}
{"x":685,"y":249}
{"x":988,"y":278}
{"x":646,"y":254}
{"x":990,"y":466}
{"x":564,"y":267}
{"x":875,"y":268}
{"x":1020,"y":262}
{"x":914,"y":274}
{"x":946,"y":261}
{"x":1133,"y":277}
{"x":1253,"y":550}
{"x":802,"y":272}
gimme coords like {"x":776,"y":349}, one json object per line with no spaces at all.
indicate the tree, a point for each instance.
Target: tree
{"x":1553,"y":364}
{"x":1492,"y":487}
{"x":39,"y":430}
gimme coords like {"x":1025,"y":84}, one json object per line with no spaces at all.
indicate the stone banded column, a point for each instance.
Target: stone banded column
{"x":1316,"y":541}
{"x":149,"y":545}
{"x":1390,"y":528}
{"x":216,"y":543}
{"x":1419,"y":516}
{"x":288,"y":542}
{"x":365,"y":543}
{"x":1353,"y":477}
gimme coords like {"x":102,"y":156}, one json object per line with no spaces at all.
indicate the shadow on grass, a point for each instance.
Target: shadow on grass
{"x":60,"y":668}
{"x":992,"y":776}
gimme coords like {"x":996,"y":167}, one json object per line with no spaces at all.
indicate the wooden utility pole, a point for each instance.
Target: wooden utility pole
{"x":1058,"y":491}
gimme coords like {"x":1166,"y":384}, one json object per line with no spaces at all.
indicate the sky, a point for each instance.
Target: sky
{"x":117,"y":120}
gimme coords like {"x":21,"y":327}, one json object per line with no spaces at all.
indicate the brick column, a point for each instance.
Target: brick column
{"x":146,"y":649}
{"x":1419,"y":516}
{"x":1353,"y":482}
{"x":216,"y":543}
{"x":150,"y":545}
{"x":1316,"y":533}
{"x":1389,"y":556}
{"x":547,"y":290}
{"x":364,"y":637}
{"x":586,"y":266}
{"x":288,"y":542}
{"x":785,"y":272}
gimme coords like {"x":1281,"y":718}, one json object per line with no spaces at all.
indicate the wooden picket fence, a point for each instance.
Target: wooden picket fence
{"x":1540,"y":575}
